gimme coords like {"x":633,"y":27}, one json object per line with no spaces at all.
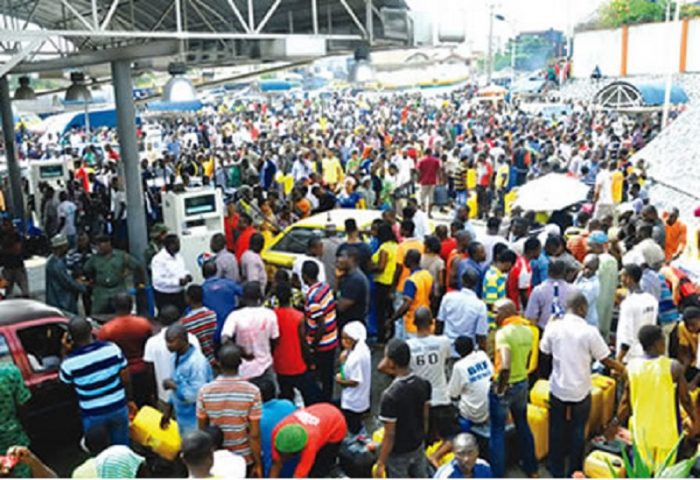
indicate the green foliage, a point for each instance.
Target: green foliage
{"x":616,"y":13}
{"x":531,"y":52}
{"x":640,"y":469}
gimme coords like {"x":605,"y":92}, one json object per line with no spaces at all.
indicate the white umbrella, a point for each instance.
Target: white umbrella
{"x":553,"y":191}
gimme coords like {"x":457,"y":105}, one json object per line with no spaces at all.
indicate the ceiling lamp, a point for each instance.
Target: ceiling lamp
{"x":362,"y":70}
{"x":78,"y":91}
{"x":179,"y":88}
{"x":24,"y":91}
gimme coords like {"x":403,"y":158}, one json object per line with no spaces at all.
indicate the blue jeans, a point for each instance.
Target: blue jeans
{"x":567,"y":425}
{"x":116,"y":423}
{"x":515,"y":400}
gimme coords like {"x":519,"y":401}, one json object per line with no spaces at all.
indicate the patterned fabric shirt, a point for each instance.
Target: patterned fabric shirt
{"x":320,"y":308}
{"x":94,"y":372}
{"x":201,"y":322}
{"x":493,"y":289}
{"x":231,"y":404}
{"x":667,"y":307}
{"x":13,"y":393}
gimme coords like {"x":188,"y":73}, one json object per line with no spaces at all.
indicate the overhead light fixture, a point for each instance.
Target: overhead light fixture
{"x":24,"y":91}
{"x":362,"y":71}
{"x":179,"y":88}
{"x":78,"y":91}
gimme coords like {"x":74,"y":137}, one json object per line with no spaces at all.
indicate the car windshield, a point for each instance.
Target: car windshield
{"x":297,"y":239}
{"x":42,"y":344}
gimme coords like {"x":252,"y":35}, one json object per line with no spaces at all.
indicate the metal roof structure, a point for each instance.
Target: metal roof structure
{"x":16,"y":310}
{"x":632,"y":94}
{"x":199,"y":32}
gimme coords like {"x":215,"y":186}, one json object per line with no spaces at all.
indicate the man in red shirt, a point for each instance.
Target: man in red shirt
{"x":291,"y":353}
{"x":231,"y":225}
{"x":81,"y":175}
{"x":519,"y":283}
{"x":130,"y":333}
{"x":428,"y":176}
{"x":447,"y":243}
{"x":484,"y":171}
{"x":245,"y":231}
{"x":314,"y":434}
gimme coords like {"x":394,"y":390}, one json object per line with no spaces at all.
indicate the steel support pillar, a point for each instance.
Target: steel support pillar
{"x":8,"y":130}
{"x":126,"y":130}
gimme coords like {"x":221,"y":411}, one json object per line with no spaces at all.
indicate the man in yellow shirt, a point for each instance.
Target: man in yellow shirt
{"x":654,"y":384}
{"x":616,"y":184}
{"x":332,"y":170}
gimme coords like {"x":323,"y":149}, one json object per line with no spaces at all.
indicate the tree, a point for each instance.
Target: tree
{"x":532,"y":52}
{"x":616,"y":13}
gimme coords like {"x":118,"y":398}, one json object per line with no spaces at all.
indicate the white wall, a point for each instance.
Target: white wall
{"x":654,"y":48}
{"x":693,"y":58}
{"x":602,"y":48}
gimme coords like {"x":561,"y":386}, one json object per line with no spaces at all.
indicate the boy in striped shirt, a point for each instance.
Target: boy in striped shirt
{"x":235,"y":406}
{"x":321,"y":327}
{"x":200,"y":321}
{"x":98,"y":372}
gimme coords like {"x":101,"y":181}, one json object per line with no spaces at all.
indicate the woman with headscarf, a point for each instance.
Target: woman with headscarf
{"x":355,"y":377}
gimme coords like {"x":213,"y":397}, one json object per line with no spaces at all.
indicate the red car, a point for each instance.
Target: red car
{"x":30,"y":334}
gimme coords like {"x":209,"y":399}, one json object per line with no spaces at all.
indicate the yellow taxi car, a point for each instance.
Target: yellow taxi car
{"x":283,"y":250}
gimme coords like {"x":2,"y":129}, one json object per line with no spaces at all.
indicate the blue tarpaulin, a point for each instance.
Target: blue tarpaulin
{"x":187,"y":106}
{"x":653,"y":93}
{"x":98,"y":119}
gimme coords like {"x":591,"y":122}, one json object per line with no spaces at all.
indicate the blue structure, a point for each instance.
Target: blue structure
{"x":635,"y":94}
{"x":106,"y":117}
{"x":187,"y":106}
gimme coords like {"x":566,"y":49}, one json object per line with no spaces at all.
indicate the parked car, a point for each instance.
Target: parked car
{"x":30,"y":335}
{"x":293,"y":240}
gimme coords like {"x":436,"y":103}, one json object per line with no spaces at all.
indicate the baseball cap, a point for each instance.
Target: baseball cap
{"x":597,"y":237}
{"x":291,"y":438}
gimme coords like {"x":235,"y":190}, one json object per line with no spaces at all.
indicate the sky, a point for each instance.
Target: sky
{"x":521,"y":15}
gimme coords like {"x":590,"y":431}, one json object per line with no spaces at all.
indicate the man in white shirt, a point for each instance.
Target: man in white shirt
{"x":462,"y":313}
{"x":405,"y":166}
{"x":253,"y":328}
{"x":157,"y":356}
{"x":492,"y":238}
{"x":573,"y":345}
{"x":603,"y":196}
{"x":420,"y":219}
{"x":470,"y":382}
{"x":429,"y":356}
{"x":637,"y":310}
{"x":314,"y":253}
{"x":170,"y":276}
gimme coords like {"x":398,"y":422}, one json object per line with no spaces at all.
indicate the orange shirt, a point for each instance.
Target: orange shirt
{"x":304,"y":207}
{"x":578,"y":246}
{"x":418,"y":285}
{"x":448,"y":266}
{"x":676,"y":237}
{"x":405,"y":246}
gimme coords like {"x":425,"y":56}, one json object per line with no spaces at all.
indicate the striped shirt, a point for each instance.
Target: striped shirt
{"x":231,"y":404}
{"x":493,"y":289}
{"x":320,"y":308}
{"x":201,"y":322}
{"x":94,"y":371}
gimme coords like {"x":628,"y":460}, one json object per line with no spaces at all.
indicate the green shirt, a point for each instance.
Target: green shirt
{"x":13,"y":393}
{"x":110,"y":271}
{"x":517,"y":339}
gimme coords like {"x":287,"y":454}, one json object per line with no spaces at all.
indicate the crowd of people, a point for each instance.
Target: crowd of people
{"x":267,"y":372}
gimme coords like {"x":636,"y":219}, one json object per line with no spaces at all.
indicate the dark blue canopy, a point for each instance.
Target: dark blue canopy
{"x":653,"y":93}
{"x":98,"y":118}
{"x":187,"y":106}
